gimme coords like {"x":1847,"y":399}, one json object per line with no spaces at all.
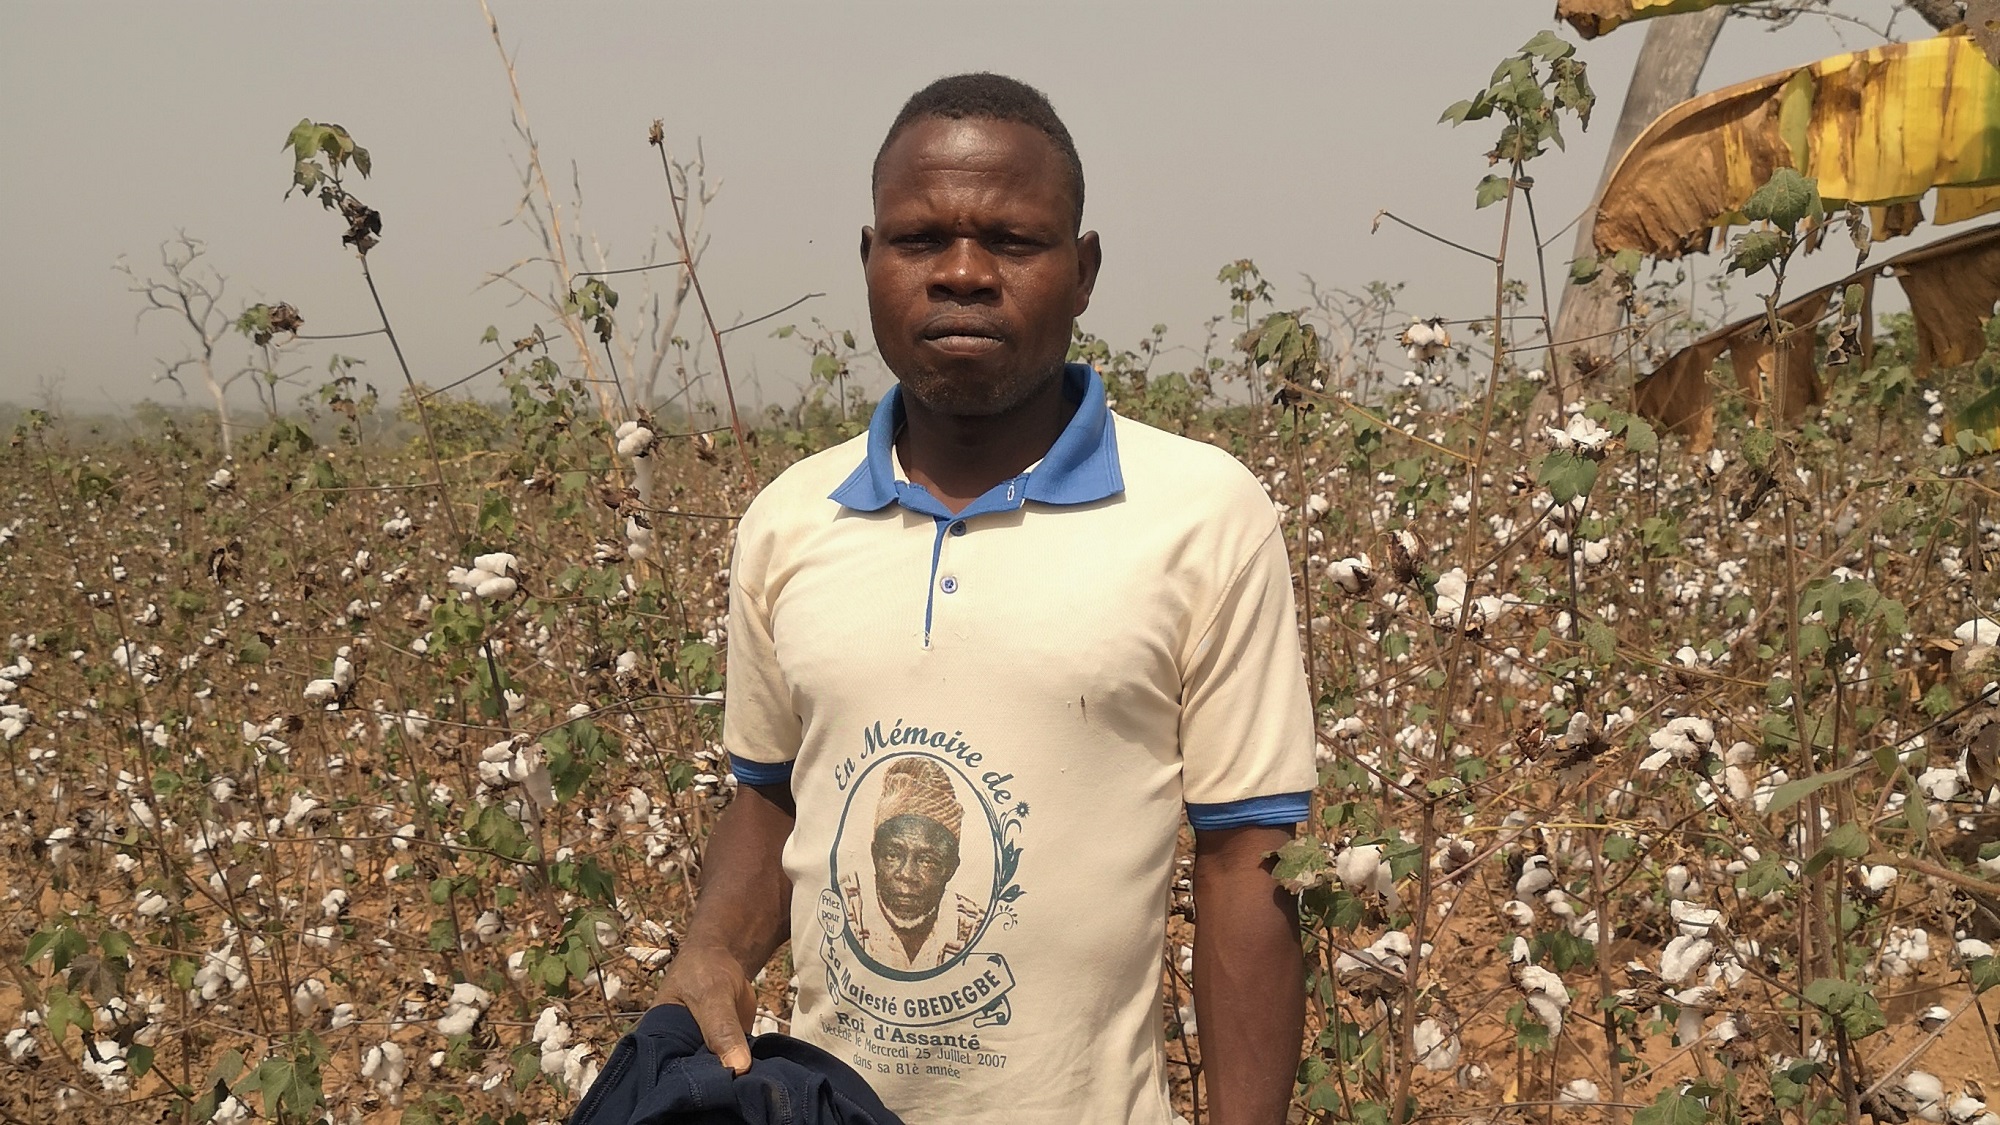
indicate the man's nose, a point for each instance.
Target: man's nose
{"x":965,"y":271}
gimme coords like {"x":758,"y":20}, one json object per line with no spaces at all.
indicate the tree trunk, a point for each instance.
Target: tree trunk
{"x":220,"y":393}
{"x":1670,"y":63}
{"x":1940,"y":14}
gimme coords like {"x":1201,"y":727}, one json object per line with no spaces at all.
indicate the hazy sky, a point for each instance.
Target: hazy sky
{"x":1273,"y":131}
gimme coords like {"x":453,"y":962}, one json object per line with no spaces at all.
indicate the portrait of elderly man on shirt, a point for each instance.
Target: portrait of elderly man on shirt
{"x":905,"y":925}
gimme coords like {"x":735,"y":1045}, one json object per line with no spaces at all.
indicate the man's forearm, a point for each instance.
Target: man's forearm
{"x":745,"y":900}
{"x":1249,"y":977}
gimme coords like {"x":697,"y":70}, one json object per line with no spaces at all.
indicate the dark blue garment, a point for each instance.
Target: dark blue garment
{"x":662,"y":1074}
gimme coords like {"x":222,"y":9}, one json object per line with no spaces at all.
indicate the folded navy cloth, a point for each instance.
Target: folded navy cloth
{"x":662,"y":1074}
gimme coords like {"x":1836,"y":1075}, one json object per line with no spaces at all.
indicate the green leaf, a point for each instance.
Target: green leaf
{"x":1548,"y":46}
{"x":64,"y":1012}
{"x":1672,"y":1107}
{"x":1492,"y":190}
{"x":1758,"y":445}
{"x":1584,"y":270}
{"x":1627,"y":262}
{"x":1566,"y":475}
{"x":1302,"y":864}
{"x":1850,"y":1003}
{"x":1756,"y":250}
{"x":1785,"y":200}
{"x":1795,"y":790}
{"x":1984,"y":971}
{"x":139,"y":1059}
{"x":1603,"y":643}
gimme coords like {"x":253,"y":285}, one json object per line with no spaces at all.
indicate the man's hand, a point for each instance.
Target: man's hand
{"x":1249,"y":976}
{"x":741,"y":917}
{"x":710,"y":983}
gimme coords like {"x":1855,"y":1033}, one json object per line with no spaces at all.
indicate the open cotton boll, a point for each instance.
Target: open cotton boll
{"x":309,"y":996}
{"x":498,"y":563}
{"x":1684,"y":956}
{"x":495,"y":589}
{"x":1354,"y":575}
{"x":1436,"y":1050}
{"x":634,"y":442}
{"x":386,"y":1065}
{"x":1978,"y":631}
{"x":1580,"y":1091}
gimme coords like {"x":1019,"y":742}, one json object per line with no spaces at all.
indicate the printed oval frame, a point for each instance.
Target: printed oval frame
{"x":992,"y":895}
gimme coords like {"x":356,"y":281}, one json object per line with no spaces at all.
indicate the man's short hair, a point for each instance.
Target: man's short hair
{"x":994,"y":97}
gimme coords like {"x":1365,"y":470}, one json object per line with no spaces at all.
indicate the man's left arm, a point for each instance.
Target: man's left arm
{"x":1249,"y":976}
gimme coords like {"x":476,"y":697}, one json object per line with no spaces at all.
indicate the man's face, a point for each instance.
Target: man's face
{"x":914,"y":859}
{"x":975,"y":270}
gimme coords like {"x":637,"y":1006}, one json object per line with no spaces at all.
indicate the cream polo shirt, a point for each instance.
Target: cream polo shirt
{"x":991,"y":723}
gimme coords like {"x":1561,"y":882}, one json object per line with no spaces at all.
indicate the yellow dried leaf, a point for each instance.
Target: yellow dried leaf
{"x":1881,"y":128}
{"x":1592,"y":18}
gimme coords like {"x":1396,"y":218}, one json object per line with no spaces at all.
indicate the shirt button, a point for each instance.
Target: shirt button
{"x":949,"y":585}
{"x":958,"y":527}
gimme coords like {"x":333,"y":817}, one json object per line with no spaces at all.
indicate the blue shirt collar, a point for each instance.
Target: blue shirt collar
{"x":1081,"y":467}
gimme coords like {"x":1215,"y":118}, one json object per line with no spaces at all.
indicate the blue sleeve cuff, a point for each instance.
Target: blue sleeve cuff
{"x":760,"y":773}
{"x":1280,"y":810}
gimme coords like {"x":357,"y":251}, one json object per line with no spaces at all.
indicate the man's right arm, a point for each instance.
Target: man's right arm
{"x":741,"y":916}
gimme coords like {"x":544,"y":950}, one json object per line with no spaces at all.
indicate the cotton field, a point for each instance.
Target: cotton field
{"x":1651,"y":781}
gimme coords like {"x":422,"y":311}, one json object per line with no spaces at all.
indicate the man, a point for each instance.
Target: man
{"x":1071,"y":625}
{"x":915,"y":853}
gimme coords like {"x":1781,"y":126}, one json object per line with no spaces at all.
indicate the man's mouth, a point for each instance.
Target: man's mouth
{"x":962,"y":335}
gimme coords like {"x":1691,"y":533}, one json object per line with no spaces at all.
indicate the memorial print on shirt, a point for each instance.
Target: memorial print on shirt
{"x":922,"y":880}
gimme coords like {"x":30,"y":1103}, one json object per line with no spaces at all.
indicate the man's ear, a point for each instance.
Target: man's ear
{"x":867,"y":243}
{"x":1089,"y":256}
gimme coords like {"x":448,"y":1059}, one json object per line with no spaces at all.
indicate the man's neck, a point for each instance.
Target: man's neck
{"x":958,"y":458}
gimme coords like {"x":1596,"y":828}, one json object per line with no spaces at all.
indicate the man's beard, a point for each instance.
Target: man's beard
{"x":946,"y":395}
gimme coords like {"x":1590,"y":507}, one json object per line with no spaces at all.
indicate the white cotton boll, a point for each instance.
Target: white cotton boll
{"x":1353,"y":575}
{"x":1932,"y":1018}
{"x":494,"y":589}
{"x":1684,"y":956}
{"x":1963,"y":1108}
{"x":1978,"y":631}
{"x":635,"y":441}
{"x":1362,"y":868}
{"x":387,"y":1066}
{"x":550,"y":1028}
{"x":458,"y":1021}
{"x":341,"y":1016}
{"x":1878,"y":878}
{"x":498,"y":564}
{"x":1923,"y":1086}
{"x":579,"y":1070}
{"x":104,"y":1060}
{"x":1694,"y":921}
{"x":471,"y":996}
{"x":1535,"y":878}
{"x":1435,"y":1049}
{"x":232,"y":1111}
{"x":20,"y":1044}
{"x":1517,"y":912}
{"x":1580,"y":1091}
{"x":333,"y":903}
{"x":1547,"y":1012}
{"x":150,"y":903}
{"x":1939,"y":783}
{"x":1596,"y":551}
{"x":309,"y":996}
{"x":1969,"y":948}
{"x":322,"y":692}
